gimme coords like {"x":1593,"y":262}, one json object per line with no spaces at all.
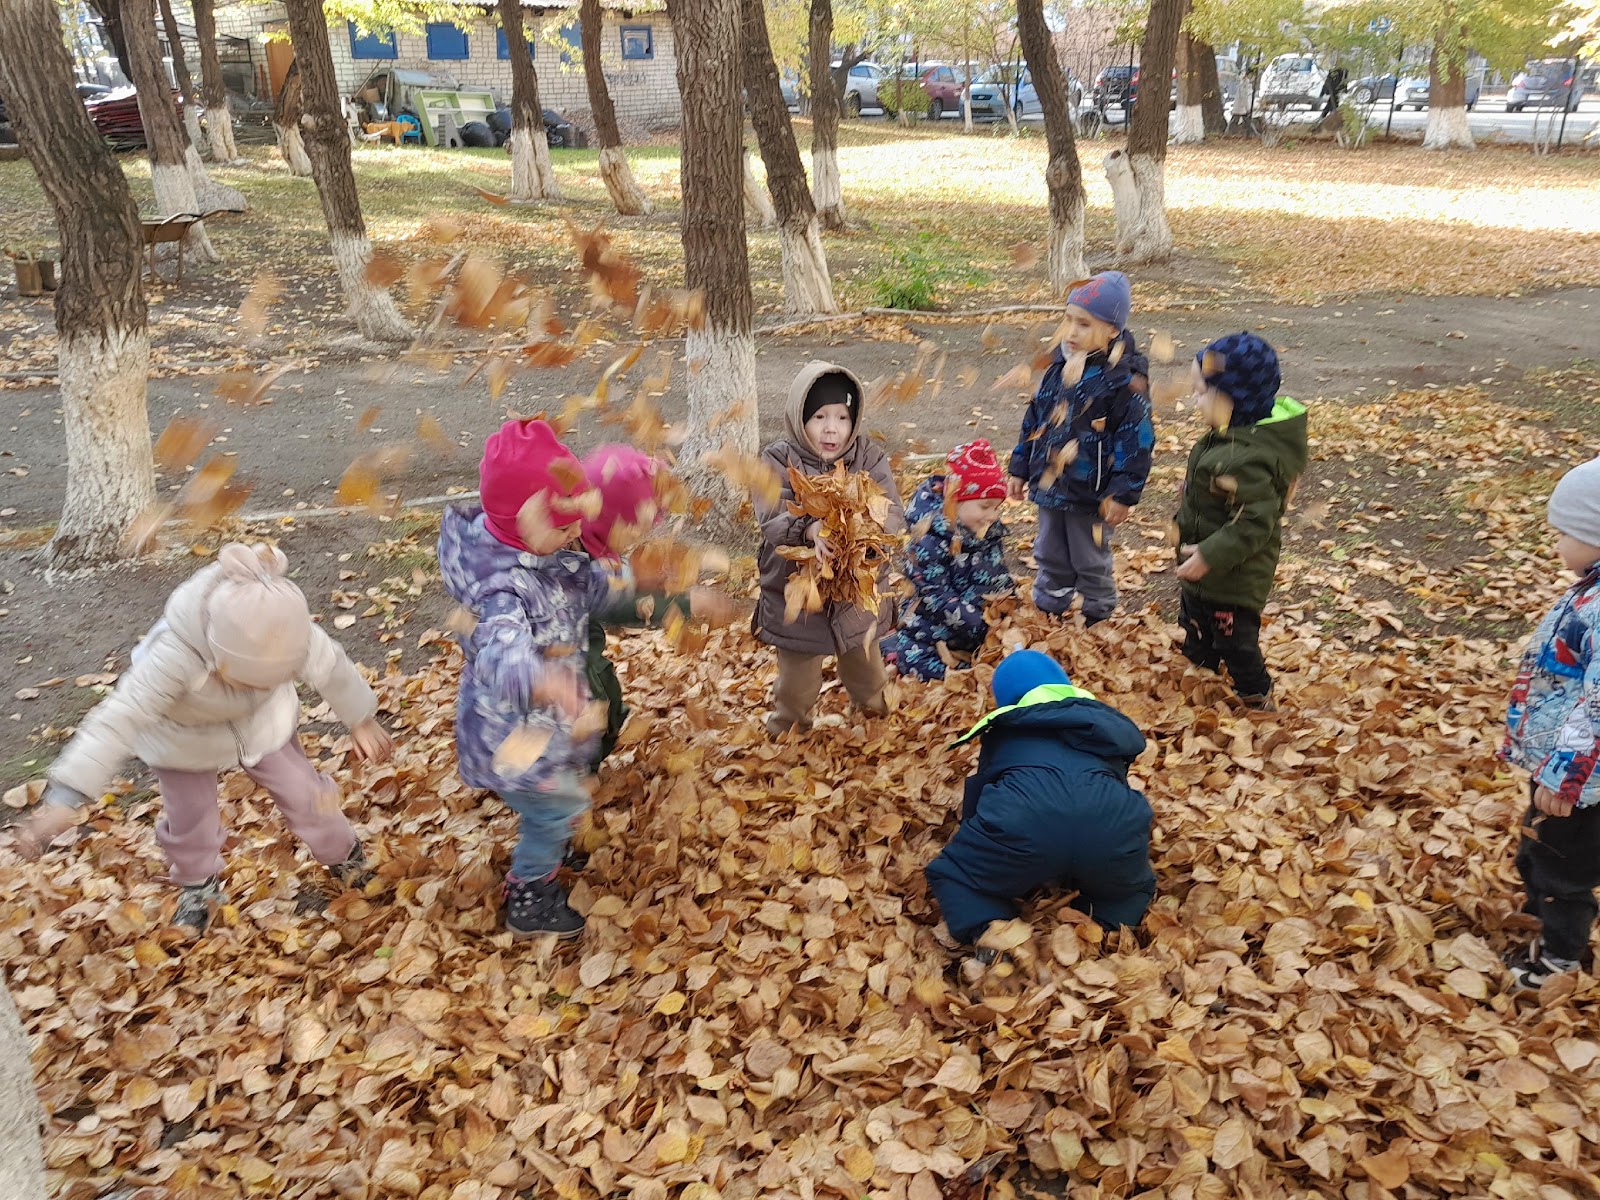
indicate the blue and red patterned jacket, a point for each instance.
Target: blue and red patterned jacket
{"x":1553,"y":723}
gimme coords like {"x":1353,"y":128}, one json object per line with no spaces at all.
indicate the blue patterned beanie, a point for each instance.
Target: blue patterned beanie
{"x":1245,"y":368}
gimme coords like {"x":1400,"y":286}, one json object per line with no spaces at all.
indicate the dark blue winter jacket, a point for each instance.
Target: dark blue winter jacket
{"x":1048,"y":806}
{"x":952,"y":586}
{"x":1112,"y":426}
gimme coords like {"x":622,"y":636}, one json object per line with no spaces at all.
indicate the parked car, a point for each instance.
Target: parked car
{"x":1292,"y":79}
{"x":942,"y":85}
{"x":1415,"y":92}
{"x":1545,"y":83}
{"x":1116,"y":84}
{"x":993,"y":91}
{"x":789,"y":84}
{"x":1370,"y":89}
{"x":861,"y":87}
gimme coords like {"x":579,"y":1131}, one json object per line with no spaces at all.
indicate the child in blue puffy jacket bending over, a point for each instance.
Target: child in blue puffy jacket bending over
{"x":1048,"y":806}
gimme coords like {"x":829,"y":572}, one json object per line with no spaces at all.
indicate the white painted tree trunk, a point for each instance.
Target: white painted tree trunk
{"x":208,"y":193}
{"x":1191,"y":126}
{"x":110,"y":475}
{"x":370,"y":306}
{"x":293,"y":147}
{"x":21,"y":1154}
{"x":627,"y":196}
{"x":532,"y":176}
{"x":191,"y":124}
{"x":826,"y":188}
{"x":757,"y":204}
{"x":722,"y":380}
{"x":1138,"y":194}
{"x":1447,"y":129}
{"x":219,"y":132}
{"x":806,"y":286}
{"x":1065,"y":253}
{"x":174,"y":188}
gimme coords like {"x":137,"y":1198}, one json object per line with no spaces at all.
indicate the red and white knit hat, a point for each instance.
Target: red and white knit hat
{"x":980,"y":474}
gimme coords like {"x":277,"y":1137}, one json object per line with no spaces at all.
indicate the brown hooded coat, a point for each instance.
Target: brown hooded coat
{"x":838,"y":628}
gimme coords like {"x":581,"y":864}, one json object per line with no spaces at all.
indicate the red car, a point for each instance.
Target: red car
{"x":940,"y":84}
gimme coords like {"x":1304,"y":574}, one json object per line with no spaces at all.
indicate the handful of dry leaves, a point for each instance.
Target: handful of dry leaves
{"x":852,"y":509}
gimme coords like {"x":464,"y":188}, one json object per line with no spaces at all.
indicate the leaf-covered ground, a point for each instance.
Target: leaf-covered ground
{"x":1292,"y":223}
{"x":1314,"y":1006}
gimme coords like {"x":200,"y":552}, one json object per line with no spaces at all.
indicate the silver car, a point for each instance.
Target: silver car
{"x":861,"y":87}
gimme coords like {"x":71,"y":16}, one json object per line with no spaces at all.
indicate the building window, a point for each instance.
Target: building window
{"x":370,"y":45}
{"x":446,"y":43}
{"x":502,"y":50}
{"x":572,"y":35}
{"x":637,"y":42}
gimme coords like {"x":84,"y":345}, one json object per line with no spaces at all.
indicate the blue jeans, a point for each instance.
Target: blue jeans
{"x":546,"y":824}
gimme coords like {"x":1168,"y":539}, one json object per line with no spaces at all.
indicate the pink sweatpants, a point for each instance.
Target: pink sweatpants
{"x":190,"y":829}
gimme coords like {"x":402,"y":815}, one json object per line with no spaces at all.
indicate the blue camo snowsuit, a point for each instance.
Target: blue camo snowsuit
{"x":951,"y":588}
{"x":1048,"y":806}
{"x":526,"y":605}
{"x":1111,"y":423}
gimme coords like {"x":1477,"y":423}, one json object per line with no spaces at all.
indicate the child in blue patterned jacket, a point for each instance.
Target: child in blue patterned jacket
{"x":1553,"y":732}
{"x":955,"y":565}
{"x":511,"y":561}
{"x":1084,"y":451}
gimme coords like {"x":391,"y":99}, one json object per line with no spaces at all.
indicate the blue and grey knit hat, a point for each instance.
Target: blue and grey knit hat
{"x":1107,"y":297}
{"x":1245,"y":368}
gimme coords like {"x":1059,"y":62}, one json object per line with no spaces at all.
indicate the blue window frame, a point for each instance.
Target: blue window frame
{"x":446,"y":43}
{"x":371,"y":45}
{"x":502,"y":49}
{"x":638,"y":42}
{"x":572,"y":35}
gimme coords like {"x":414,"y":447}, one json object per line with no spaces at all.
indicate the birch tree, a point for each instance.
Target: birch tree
{"x":104,"y":347}
{"x":1063,"y":173}
{"x":328,"y":146}
{"x":626,"y":195}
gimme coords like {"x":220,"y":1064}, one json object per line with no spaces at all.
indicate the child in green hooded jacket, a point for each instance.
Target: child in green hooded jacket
{"x":1236,"y":490}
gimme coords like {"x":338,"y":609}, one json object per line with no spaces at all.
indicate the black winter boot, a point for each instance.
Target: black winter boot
{"x":539,"y":906}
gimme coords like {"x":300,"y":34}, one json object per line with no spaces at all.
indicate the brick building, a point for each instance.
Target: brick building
{"x":638,"y":56}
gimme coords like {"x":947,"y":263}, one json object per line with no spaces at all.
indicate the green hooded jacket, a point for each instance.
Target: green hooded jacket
{"x":1234,"y":496}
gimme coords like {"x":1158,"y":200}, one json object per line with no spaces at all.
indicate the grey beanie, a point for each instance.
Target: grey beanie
{"x":1575,"y":504}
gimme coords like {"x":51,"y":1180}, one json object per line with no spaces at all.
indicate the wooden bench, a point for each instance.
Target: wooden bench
{"x":161,"y":231}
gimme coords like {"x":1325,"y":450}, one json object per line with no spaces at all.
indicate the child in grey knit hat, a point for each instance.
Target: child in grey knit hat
{"x":1553,"y":732}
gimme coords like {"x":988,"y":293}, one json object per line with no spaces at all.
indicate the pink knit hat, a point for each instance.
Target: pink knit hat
{"x":521,"y":460}
{"x":258,"y":626}
{"x":625,"y":479}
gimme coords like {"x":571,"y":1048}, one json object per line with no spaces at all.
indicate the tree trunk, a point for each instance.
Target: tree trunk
{"x":22,"y":1163}
{"x":208,"y":194}
{"x":757,"y":204}
{"x":100,"y":307}
{"x":1138,"y":177}
{"x":806,"y":285}
{"x":213,"y":91}
{"x":110,"y":14}
{"x":966,"y":92}
{"x":721,"y":353}
{"x":626,"y":195}
{"x":1191,"y":123}
{"x":169,"y":167}
{"x":1447,"y":127}
{"x":532,"y":176}
{"x":180,"y":70}
{"x":328,"y":146}
{"x":1063,"y":174}
{"x":286,"y":122}
{"x":825,"y":184}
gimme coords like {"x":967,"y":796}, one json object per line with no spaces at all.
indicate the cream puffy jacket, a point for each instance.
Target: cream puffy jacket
{"x":170,"y":710}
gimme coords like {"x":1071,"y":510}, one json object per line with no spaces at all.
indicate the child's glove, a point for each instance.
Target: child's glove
{"x":57,"y":813}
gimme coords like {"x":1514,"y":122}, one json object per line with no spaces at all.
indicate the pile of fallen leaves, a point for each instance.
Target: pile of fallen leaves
{"x":758,"y":1007}
{"x":851,"y":510}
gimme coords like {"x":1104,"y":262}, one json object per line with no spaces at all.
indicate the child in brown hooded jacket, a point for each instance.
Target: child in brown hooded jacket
{"x":823,"y":425}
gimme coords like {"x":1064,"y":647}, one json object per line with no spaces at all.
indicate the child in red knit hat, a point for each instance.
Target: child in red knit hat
{"x":956,"y":565}
{"x":513,"y":562}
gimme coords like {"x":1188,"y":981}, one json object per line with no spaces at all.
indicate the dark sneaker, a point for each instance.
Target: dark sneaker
{"x":574,"y":859}
{"x":196,"y":903}
{"x":353,"y":872}
{"x":983,"y":962}
{"x":1259,"y":703}
{"x":539,"y":906}
{"x":1530,"y":968}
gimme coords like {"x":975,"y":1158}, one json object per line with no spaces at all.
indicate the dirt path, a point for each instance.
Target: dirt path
{"x":58,"y":635}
